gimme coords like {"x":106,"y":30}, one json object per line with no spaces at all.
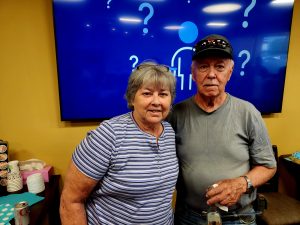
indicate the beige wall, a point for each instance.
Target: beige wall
{"x":29,"y":101}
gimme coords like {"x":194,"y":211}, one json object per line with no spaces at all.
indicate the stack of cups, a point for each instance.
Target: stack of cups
{"x":35,"y":183}
{"x":14,"y":178}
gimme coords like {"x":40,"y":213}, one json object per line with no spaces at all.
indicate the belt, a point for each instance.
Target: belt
{"x":242,"y":215}
{"x":245,"y":219}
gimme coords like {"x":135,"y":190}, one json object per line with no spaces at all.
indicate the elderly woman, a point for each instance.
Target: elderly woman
{"x":125,"y":171}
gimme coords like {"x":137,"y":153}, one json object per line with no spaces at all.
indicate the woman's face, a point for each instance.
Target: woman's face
{"x":151,"y":105}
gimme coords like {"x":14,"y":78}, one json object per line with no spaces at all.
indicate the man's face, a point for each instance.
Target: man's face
{"x":211,"y":75}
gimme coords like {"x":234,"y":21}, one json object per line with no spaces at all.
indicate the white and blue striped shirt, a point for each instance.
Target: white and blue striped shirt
{"x":137,"y":174}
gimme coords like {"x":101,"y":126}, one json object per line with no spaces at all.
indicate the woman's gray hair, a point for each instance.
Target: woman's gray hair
{"x":149,"y":73}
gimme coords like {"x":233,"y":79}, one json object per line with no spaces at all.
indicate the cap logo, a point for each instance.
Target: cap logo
{"x":212,"y":44}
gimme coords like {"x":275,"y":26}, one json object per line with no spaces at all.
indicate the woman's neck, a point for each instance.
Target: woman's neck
{"x":153,"y":129}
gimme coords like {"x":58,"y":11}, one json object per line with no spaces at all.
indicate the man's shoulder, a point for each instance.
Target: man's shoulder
{"x":179,"y":110}
{"x":183,"y":103}
{"x":242,"y":103}
{"x":244,"y":108}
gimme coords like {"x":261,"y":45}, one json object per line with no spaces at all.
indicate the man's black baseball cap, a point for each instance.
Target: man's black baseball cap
{"x":213,"y":45}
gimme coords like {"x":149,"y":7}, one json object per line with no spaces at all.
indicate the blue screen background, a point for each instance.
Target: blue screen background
{"x":98,"y":43}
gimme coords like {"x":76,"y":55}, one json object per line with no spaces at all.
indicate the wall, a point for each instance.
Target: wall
{"x":283,"y":127}
{"x":29,"y":113}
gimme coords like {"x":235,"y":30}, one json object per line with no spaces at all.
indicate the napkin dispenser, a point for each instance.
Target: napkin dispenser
{"x":33,"y":166}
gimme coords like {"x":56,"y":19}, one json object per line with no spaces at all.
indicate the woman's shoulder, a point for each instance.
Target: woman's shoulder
{"x":124,"y":118}
{"x":115,"y":124}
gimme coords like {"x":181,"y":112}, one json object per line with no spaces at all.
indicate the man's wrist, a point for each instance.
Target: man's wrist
{"x":249,"y":185}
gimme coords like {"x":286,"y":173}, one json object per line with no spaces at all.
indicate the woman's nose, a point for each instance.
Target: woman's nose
{"x":156,"y":99}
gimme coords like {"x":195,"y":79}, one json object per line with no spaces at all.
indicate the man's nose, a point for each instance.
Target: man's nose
{"x":211,"y":72}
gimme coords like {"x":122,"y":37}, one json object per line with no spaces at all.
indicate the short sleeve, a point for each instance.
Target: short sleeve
{"x":93,"y":155}
{"x":260,"y":146}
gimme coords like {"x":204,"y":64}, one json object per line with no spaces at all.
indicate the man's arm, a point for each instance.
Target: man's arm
{"x":228,"y":192}
{"x":76,"y":190}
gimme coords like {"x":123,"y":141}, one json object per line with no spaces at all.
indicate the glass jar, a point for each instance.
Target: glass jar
{"x":213,"y":216}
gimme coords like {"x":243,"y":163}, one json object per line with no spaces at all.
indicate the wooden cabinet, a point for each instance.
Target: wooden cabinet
{"x":289,"y":177}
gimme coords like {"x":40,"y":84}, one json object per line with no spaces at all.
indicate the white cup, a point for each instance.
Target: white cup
{"x":35,"y":183}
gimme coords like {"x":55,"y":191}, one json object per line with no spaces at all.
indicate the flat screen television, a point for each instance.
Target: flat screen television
{"x":98,"y":43}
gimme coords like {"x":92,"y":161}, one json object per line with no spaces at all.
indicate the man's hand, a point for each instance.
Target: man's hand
{"x":226,"y":192}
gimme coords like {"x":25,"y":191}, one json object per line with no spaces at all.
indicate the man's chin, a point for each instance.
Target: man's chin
{"x":211,"y":94}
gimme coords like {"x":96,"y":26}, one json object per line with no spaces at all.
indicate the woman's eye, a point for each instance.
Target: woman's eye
{"x":146,"y":93}
{"x":164,"y":94}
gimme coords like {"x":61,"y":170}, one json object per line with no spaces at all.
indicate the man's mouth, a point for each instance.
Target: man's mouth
{"x":210,"y":85}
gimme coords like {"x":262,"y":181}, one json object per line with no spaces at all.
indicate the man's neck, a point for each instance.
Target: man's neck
{"x":210,"y":104}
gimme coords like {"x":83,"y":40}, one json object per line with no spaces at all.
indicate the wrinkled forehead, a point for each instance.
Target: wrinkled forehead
{"x":155,"y":85}
{"x":215,"y":59}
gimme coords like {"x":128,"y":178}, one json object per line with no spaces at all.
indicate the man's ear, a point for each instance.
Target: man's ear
{"x":193,"y":76}
{"x":230,"y":74}
{"x":231,"y":71}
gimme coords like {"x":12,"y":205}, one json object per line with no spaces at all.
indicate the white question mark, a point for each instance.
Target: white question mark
{"x":108,"y":3}
{"x":248,"y":9}
{"x":136,"y":60}
{"x":147,"y":18}
{"x":247,"y":53}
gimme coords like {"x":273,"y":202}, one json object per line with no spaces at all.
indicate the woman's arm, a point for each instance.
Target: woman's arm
{"x":76,"y":189}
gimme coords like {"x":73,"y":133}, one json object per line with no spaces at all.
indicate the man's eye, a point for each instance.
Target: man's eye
{"x":220,"y":68}
{"x":203,"y":67}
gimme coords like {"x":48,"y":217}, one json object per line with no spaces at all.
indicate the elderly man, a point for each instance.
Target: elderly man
{"x":222,"y":143}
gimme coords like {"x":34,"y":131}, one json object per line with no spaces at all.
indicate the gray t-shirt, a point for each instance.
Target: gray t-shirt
{"x":218,"y":145}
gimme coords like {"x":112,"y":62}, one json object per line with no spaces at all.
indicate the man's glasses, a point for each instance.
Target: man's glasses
{"x":215,"y":43}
